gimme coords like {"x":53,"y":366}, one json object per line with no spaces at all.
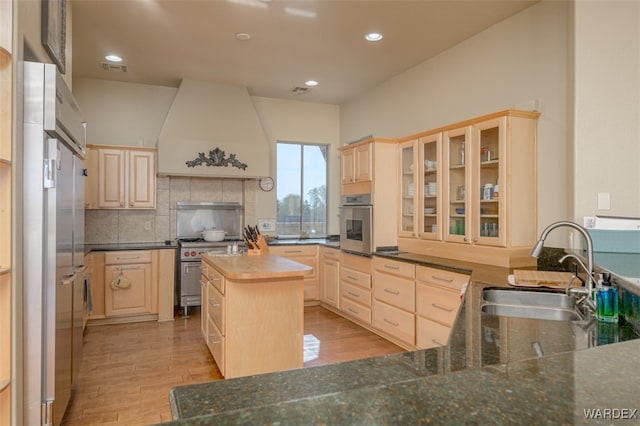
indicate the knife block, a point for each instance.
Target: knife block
{"x":262,"y":244}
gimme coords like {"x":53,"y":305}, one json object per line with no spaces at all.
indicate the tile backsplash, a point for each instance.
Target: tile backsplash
{"x":140,"y":226}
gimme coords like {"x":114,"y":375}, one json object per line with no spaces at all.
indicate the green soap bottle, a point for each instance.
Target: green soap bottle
{"x":607,"y":301}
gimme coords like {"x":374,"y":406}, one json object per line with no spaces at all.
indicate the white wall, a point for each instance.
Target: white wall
{"x":518,"y":63}
{"x":607,"y":112}
{"x":293,"y":121}
{"x":123,"y":113}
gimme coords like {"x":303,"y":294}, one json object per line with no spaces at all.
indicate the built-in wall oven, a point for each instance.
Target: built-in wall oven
{"x":356,"y":223}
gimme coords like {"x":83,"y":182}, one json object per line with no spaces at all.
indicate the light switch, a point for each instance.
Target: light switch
{"x":604,"y":201}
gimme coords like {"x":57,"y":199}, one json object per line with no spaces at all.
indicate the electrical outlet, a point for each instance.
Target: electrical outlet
{"x":147,"y":225}
{"x":267,"y":225}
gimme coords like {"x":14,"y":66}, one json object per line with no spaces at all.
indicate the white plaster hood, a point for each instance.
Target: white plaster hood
{"x":205,"y":116}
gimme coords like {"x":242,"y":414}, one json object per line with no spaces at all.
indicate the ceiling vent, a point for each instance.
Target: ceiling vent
{"x":113,"y":67}
{"x":300,"y":90}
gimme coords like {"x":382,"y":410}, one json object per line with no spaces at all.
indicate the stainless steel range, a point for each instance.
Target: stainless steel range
{"x":192,"y":219}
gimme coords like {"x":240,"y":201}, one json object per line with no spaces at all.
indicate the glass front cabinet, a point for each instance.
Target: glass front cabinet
{"x":472,"y":185}
{"x":421,"y":180}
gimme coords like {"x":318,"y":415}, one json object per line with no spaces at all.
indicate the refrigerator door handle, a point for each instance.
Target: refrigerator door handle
{"x":51,"y":165}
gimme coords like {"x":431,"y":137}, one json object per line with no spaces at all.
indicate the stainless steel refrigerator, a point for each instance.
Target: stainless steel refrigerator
{"x":53,"y":251}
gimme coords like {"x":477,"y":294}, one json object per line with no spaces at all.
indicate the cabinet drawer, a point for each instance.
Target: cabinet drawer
{"x":403,"y":269}
{"x":294,"y":250}
{"x":441,"y":277}
{"x":396,"y":322}
{"x":311,"y":261}
{"x":355,"y":293}
{"x":216,"y":279}
{"x":215,"y":308}
{"x":437,"y":303}
{"x":355,"y":309}
{"x":215,"y":343}
{"x":331,"y":253}
{"x":430,"y":334}
{"x":127,"y":257}
{"x":356,"y":263}
{"x":355,"y":277}
{"x":396,"y":291}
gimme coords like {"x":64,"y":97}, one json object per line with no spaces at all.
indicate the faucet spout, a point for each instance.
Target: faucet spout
{"x":535,"y":251}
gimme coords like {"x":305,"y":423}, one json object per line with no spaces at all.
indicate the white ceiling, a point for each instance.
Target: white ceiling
{"x":163,"y":41}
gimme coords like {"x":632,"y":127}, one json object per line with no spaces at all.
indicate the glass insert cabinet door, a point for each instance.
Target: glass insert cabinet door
{"x":431,"y":186}
{"x":489,"y":154}
{"x":457,"y":146}
{"x":408,"y":182}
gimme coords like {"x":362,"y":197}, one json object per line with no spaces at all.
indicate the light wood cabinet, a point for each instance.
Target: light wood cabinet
{"x":438,"y":298}
{"x":357,"y":164}
{"x":488,"y":210}
{"x":307,"y":255}
{"x":254,"y":325}
{"x":134,"y":296}
{"x":120,"y":178}
{"x":330,"y":276}
{"x":421,"y":188}
{"x":150,"y":295}
{"x":395,"y":298}
{"x":355,"y":287}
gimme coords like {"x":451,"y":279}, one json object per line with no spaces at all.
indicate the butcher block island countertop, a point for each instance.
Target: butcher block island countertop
{"x":266,"y":266}
{"x":253,"y":312}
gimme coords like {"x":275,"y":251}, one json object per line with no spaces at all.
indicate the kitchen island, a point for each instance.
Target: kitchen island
{"x":252,"y":313}
{"x":489,"y":373}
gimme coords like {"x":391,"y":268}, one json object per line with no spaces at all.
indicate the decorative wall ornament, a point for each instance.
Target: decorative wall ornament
{"x":217,"y":159}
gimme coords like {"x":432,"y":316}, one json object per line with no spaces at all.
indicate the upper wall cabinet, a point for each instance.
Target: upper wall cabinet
{"x":121,"y":178}
{"x":356,"y":164}
{"x":483,"y":204}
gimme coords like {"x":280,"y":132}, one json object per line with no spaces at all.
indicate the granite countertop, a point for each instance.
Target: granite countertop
{"x":265,"y":266}
{"x":131,"y":246}
{"x":489,"y":373}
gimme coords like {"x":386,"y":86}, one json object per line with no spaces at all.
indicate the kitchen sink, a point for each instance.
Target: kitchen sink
{"x":536,"y":304}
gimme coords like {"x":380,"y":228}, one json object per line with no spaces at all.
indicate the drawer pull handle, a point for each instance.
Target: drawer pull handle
{"x":352,"y":278}
{"x":443,"y":307}
{"x":392,"y":291}
{"x":442,"y":279}
{"x":395,"y":268}
{"x":437,"y":342}
{"x":214,"y":342}
{"x":293,"y":251}
{"x":353,"y":311}
{"x":214,"y":278}
{"x":213,"y":305}
{"x":127,"y":257}
{"x":393,"y":323}
{"x":352,"y":294}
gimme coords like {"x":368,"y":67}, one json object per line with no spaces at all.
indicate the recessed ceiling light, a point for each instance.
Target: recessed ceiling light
{"x":310,"y":83}
{"x":113,"y":58}
{"x":373,"y":37}
{"x":243,"y":36}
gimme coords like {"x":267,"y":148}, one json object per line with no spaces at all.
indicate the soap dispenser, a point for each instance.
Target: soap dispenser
{"x":607,"y":300}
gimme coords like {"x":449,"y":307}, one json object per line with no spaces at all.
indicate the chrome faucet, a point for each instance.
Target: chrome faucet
{"x":590,"y":283}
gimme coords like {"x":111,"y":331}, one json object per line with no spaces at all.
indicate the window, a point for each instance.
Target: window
{"x":301,"y":189}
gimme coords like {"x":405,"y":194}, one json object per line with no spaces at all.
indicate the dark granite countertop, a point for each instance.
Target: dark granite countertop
{"x":130,"y":246}
{"x":489,"y":373}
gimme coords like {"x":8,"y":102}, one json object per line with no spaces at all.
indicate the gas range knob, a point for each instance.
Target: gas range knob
{"x":193,"y":253}
{"x":186,"y":253}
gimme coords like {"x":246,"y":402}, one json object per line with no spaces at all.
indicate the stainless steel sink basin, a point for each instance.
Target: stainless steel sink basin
{"x":529,"y":304}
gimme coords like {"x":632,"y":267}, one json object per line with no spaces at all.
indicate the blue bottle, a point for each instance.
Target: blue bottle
{"x":607,"y":301}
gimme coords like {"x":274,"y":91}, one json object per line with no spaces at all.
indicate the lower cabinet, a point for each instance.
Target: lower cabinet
{"x":307,"y":255}
{"x":330,"y":276}
{"x":355,"y":287}
{"x":395,"y":299}
{"x":131,"y":285}
{"x":438,"y":299}
{"x":128,"y":283}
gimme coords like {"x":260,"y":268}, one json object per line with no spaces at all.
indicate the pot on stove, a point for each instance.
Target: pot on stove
{"x":213,"y":234}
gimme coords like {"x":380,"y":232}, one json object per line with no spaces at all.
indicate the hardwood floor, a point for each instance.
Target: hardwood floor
{"x":128,"y":369}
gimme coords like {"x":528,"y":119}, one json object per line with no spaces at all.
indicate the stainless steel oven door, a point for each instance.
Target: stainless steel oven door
{"x":356,"y":228}
{"x":189,"y":285}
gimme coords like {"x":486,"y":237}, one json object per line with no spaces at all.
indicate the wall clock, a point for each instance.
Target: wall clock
{"x":266,"y":184}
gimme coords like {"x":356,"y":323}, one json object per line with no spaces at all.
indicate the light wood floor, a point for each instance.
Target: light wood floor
{"x":128,"y":369}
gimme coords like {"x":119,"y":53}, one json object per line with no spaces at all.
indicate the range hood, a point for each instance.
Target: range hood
{"x":212,"y":130}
